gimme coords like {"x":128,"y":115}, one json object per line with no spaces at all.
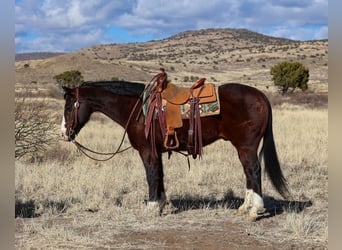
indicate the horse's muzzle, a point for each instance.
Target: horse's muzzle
{"x":65,"y":137}
{"x":68,"y":137}
{"x":71,"y":135}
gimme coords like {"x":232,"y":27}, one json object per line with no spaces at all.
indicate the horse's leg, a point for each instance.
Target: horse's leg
{"x":154,"y":174}
{"x":253,"y":198}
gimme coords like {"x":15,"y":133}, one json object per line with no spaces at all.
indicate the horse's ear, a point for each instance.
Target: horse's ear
{"x":66,"y":89}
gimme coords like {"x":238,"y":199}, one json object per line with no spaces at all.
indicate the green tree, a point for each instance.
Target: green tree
{"x":290,"y":75}
{"x":71,"y":78}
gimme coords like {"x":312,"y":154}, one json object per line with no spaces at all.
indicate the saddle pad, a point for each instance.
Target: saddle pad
{"x":146,"y":100}
{"x":206,"y":109}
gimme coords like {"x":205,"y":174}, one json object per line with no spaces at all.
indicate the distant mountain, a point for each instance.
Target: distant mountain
{"x":244,"y":34}
{"x":36,"y":55}
{"x":219,"y":55}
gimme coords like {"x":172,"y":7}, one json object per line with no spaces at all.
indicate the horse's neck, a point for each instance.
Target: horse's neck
{"x":117,"y":107}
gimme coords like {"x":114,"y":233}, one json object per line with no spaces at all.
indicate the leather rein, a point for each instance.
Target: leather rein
{"x":85,"y":150}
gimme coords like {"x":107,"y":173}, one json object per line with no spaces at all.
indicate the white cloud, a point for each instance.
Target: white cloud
{"x":63,"y":24}
{"x":321,"y":33}
{"x":74,"y":41}
{"x":176,"y":16}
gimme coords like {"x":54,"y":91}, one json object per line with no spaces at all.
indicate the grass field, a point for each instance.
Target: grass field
{"x":65,"y":200}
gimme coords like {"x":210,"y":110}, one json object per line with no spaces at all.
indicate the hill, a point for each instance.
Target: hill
{"x":35,"y":55}
{"x":220,"y":55}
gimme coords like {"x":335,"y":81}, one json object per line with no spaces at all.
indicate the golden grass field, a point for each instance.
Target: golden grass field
{"x":66,"y":201}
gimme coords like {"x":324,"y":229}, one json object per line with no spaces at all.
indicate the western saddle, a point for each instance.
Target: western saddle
{"x":165,"y":100}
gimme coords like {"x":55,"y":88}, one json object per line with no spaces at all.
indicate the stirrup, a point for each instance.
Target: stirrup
{"x":171,"y":141}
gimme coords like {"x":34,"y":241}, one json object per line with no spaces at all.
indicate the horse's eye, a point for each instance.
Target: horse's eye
{"x":68,"y":108}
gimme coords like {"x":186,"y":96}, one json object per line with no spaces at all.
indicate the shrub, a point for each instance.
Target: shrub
{"x":70,"y":78}
{"x":290,"y":75}
{"x":34,"y":128}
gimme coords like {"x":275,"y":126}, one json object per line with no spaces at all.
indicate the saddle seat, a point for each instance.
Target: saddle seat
{"x":180,"y":95}
{"x":174,"y":96}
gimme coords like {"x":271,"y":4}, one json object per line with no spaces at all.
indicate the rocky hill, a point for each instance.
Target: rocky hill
{"x":220,"y":55}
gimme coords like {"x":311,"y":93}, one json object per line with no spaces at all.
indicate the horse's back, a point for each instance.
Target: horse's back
{"x":239,"y":91}
{"x":242,"y":97}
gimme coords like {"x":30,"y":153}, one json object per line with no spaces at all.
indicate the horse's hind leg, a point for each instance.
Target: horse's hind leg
{"x":253,"y":202}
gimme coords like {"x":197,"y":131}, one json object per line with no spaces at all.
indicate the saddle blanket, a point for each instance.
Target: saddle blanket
{"x":206,"y":109}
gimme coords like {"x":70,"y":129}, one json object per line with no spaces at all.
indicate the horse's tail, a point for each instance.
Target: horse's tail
{"x":269,"y":153}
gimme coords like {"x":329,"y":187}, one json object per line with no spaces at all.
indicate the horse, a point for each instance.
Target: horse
{"x":245,"y":119}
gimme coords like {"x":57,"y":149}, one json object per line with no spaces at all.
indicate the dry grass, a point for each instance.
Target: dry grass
{"x":69,"y":201}
{"x":65,"y":200}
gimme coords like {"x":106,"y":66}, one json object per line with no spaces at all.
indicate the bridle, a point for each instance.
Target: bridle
{"x":85,"y":149}
{"x":75,"y":115}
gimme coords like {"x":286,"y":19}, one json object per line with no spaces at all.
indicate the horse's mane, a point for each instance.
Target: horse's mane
{"x":118,"y":87}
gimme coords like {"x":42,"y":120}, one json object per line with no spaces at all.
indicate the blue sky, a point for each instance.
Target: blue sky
{"x":68,"y":25}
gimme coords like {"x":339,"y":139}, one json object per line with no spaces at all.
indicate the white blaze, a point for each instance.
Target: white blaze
{"x":63,"y":129}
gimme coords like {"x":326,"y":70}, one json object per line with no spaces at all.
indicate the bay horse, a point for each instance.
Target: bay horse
{"x":244,"y":120}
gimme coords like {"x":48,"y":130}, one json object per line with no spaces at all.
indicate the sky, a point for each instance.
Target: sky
{"x":70,"y":25}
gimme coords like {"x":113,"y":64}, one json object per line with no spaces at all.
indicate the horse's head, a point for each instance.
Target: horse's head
{"x":76,"y":113}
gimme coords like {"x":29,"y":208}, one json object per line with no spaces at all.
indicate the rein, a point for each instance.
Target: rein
{"x":85,"y":149}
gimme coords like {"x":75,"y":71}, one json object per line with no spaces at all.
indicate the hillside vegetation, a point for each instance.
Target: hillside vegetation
{"x":220,"y":55}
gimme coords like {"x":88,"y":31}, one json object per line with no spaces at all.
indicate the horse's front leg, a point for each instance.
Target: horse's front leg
{"x":154,"y":174}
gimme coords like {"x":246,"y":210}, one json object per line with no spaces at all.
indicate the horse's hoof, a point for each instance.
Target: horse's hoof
{"x":241,"y":212}
{"x":153,"y":208}
{"x":261,"y":211}
{"x":254,"y":213}
{"x":169,"y":209}
{"x":252,"y":218}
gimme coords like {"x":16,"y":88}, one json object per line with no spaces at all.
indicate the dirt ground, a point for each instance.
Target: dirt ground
{"x":182,"y":227}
